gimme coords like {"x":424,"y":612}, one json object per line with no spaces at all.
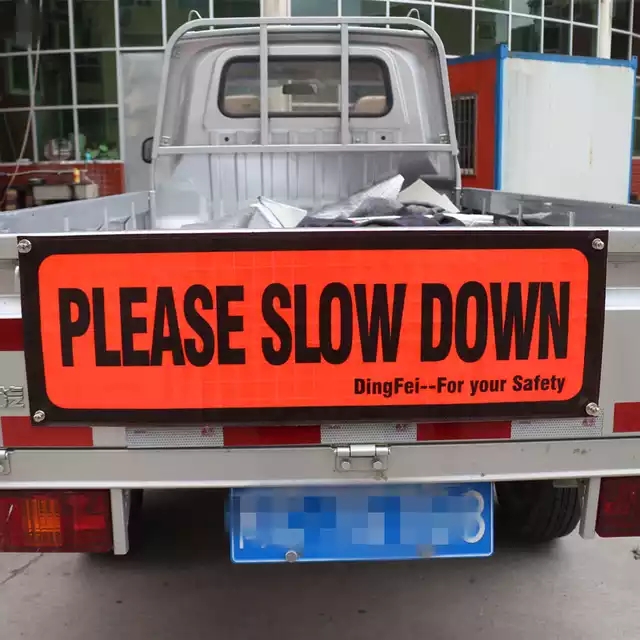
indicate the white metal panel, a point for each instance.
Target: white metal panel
{"x":109,"y":437}
{"x":141,"y":80}
{"x":567,"y":129}
{"x":590,"y":508}
{"x":557,"y":428}
{"x":174,"y":437}
{"x":182,"y":468}
{"x":13,"y":378}
{"x":120,"y":506}
{"x":377,"y":433}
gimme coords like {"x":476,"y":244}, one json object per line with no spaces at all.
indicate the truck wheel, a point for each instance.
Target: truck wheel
{"x":536,"y":512}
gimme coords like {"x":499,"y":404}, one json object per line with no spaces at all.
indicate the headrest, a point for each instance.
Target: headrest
{"x":242,"y":105}
{"x":370,"y":105}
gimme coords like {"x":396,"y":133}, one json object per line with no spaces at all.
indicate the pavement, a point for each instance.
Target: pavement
{"x":182,"y":586}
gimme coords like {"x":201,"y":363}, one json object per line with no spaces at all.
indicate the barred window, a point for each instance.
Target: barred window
{"x":465,"y":118}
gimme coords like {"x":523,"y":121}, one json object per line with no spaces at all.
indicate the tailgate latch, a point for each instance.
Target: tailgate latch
{"x":5,"y":466}
{"x":362,"y":457}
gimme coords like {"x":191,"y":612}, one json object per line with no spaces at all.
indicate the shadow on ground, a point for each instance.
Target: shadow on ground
{"x":179,"y":526}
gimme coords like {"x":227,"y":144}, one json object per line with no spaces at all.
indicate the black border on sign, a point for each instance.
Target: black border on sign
{"x":45,"y":246}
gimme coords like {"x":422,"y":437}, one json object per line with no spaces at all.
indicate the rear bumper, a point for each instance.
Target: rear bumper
{"x":199,"y":468}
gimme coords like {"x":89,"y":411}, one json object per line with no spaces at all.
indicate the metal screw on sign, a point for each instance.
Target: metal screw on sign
{"x":592,"y":409}
{"x":345,"y":465}
{"x":377,"y":464}
{"x":291,"y":556}
{"x":24,"y":246}
{"x":598,"y":244}
{"x":39,"y":416}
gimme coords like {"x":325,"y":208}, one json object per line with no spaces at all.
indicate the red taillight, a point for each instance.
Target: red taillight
{"x":70,"y":521}
{"x":619,"y":508}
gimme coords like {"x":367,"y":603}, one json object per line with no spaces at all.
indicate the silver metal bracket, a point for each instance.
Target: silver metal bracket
{"x":362,"y":457}
{"x":5,"y":464}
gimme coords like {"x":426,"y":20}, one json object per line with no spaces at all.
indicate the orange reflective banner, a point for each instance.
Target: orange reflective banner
{"x":314,"y":325}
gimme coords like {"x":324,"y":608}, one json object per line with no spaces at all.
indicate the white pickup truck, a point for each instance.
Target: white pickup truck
{"x":387,"y":376}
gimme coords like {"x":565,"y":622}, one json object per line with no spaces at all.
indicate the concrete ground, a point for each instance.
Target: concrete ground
{"x":183,"y":587}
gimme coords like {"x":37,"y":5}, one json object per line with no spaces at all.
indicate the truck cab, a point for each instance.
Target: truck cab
{"x":217,"y":149}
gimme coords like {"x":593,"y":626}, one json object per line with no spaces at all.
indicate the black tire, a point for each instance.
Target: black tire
{"x":536,"y":512}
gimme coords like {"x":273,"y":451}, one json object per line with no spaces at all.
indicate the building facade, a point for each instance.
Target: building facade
{"x":67,"y":67}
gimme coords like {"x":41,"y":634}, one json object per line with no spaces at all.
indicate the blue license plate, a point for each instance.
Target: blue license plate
{"x":364,"y":522}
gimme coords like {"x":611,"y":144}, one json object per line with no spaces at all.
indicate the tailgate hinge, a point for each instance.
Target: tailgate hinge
{"x":5,"y":465}
{"x":362,"y":457}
